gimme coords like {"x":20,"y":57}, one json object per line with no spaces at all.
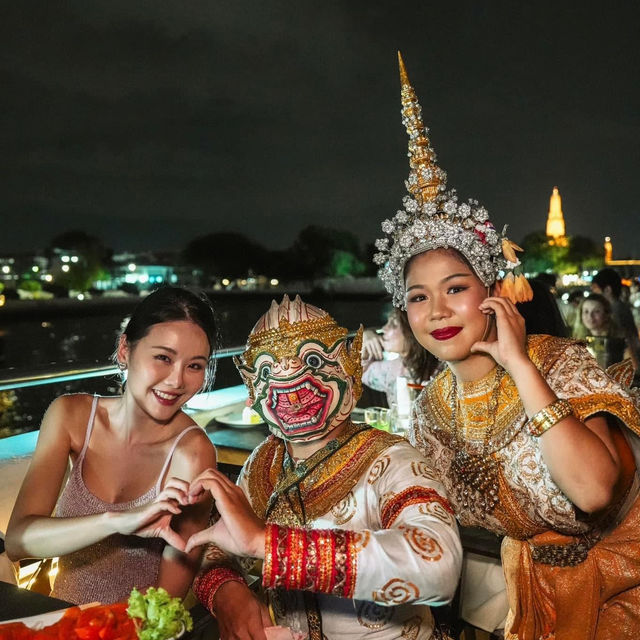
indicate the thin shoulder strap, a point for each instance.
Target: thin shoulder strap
{"x":87,"y":437}
{"x":165,"y":466}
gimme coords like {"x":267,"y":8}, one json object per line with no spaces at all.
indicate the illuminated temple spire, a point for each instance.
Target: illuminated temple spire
{"x":555,"y":220}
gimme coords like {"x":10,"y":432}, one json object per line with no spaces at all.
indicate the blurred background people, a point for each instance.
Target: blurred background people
{"x":595,"y":324}
{"x":393,"y":354}
{"x":607,"y":282}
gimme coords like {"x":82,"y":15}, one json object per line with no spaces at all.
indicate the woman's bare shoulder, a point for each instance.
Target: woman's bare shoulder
{"x":194,"y":451}
{"x":69,"y":413}
{"x":71,"y":406}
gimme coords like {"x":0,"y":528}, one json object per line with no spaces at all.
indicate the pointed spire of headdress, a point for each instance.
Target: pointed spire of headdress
{"x":426,"y":179}
{"x":432,"y":218}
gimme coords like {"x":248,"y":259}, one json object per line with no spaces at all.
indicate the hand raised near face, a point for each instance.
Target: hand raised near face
{"x":508,"y":350}
{"x":239,"y":531}
{"x":372,"y":347}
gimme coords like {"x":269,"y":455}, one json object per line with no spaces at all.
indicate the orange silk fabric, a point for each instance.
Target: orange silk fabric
{"x":598,"y":599}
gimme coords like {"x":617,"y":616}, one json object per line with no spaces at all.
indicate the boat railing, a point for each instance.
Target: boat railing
{"x":20,"y":379}
{"x":17,"y":379}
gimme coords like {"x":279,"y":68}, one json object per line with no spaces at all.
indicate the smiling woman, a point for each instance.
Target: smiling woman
{"x":532,"y":440}
{"x":133,"y":457}
{"x":443,"y":298}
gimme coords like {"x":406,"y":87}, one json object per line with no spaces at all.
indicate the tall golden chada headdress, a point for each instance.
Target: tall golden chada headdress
{"x":432,"y":218}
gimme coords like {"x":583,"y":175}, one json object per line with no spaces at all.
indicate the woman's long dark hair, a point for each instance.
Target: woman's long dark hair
{"x":420,"y":362}
{"x":542,"y":314}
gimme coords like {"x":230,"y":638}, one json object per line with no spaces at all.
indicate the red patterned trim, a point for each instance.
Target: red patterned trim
{"x":207,"y":584}
{"x":270,"y":553}
{"x":351,"y":565}
{"x":404,"y":499}
{"x":322,"y":561}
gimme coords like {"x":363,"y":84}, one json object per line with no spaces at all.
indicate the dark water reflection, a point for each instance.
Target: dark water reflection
{"x":86,"y":334}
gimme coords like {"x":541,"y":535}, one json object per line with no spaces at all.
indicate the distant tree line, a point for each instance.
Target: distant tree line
{"x":317,"y":252}
{"x":580,"y":253}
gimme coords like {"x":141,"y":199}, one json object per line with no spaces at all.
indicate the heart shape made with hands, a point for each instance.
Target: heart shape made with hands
{"x":154,"y":520}
{"x":238,"y":531}
{"x":175,"y":495}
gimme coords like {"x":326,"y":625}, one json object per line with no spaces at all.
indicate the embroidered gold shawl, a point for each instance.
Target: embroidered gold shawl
{"x":324,"y":487}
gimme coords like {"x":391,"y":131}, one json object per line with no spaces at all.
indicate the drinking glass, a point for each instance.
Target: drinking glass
{"x":383,"y":419}
{"x":371,"y":416}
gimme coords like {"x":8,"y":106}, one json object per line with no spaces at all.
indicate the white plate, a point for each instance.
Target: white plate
{"x":235,"y":420}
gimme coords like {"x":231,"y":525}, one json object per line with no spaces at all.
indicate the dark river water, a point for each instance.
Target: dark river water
{"x":84,"y":334}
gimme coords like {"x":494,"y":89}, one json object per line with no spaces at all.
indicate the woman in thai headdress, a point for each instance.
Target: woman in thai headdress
{"x":531,"y":437}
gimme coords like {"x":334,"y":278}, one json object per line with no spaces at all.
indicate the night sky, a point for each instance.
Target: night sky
{"x":148,"y":123}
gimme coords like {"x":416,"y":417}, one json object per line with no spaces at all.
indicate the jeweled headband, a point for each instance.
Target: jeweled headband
{"x":432,"y":218}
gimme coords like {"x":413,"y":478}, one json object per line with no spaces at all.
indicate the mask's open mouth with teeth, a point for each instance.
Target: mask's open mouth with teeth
{"x":300,"y":405}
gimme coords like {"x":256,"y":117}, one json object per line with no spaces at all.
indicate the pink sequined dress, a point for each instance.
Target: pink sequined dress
{"x":107,"y":570}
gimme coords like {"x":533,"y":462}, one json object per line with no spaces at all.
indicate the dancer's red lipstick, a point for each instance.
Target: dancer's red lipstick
{"x":446,"y":333}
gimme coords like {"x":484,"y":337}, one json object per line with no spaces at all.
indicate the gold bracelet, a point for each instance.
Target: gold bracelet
{"x":548,"y":417}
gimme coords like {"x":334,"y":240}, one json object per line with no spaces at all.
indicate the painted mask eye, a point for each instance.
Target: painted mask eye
{"x":313,"y":360}
{"x":265,"y":371}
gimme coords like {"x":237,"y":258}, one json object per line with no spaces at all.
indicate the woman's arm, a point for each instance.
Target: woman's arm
{"x":581,"y":456}
{"x":178,"y":569}
{"x":372,"y":348}
{"x":34,"y":533}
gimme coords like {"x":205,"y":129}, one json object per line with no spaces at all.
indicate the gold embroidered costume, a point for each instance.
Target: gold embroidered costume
{"x":559,"y":563}
{"x":360,"y":538}
{"x":360,"y":530}
{"x":570,"y":576}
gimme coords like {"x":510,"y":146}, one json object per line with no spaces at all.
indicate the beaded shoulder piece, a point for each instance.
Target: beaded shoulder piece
{"x":622,"y":372}
{"x":327,"y":484}
{"x":545,"y":350}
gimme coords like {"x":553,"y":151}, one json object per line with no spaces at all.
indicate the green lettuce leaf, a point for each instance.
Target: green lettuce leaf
{"x":160,"y":616}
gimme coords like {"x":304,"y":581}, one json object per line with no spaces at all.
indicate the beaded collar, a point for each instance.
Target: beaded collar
{"x":472,"y":422}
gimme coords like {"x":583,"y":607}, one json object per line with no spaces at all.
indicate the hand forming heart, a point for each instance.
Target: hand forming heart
{"x":239,"y":531}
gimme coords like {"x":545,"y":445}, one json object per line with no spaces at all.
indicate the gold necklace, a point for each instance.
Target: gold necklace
{"x":476,"y":487}
{"x":294,"y":474}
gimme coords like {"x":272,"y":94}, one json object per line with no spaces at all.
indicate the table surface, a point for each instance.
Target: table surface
{"x":20,"y":603}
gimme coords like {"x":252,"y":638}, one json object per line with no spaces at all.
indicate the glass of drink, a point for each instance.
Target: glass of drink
{"x":371,"y":416}
{"x":383,"y":419}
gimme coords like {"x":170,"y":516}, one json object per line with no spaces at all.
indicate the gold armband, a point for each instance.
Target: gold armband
{"x":546,"y":418}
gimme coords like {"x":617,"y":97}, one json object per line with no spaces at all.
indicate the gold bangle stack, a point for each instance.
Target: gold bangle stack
{"x":548,"y":417}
